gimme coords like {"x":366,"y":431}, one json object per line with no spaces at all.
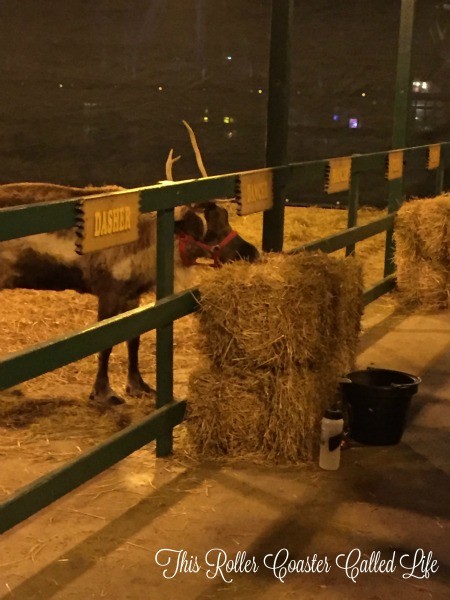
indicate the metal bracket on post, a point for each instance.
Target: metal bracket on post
{"x":278,"y":119}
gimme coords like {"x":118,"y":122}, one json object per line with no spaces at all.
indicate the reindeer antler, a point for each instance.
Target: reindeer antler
{"x":169,"y":164}
{"x":198,"y":156}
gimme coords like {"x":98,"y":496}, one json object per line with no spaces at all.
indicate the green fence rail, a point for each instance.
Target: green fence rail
{"x":47,"y":217}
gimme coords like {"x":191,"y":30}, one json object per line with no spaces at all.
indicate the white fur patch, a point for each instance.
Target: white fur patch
{"x":142,"y":264}
{"x":60,"y":248}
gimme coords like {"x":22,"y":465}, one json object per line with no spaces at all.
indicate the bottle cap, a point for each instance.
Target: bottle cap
{"x":333,"y":414}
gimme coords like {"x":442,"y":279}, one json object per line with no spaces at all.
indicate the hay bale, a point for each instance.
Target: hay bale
{"x":267,"y":415}
{"x":422,"y":283}
{"x":422,"y":256}
{"x":227,"y":411}
{"x":346,"y":282}
{"x":275,"y":336}
{"x":276,"y":313}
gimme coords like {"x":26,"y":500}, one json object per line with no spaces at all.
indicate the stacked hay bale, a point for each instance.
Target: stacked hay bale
{"x":422,"y":235}
{"x":275,"y":337}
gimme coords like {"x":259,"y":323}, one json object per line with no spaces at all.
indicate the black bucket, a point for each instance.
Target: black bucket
{"x":378,"y":401}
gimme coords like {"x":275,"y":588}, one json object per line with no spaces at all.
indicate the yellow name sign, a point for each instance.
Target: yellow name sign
{"x":395,"y":165}
{"x":107,"y":221}
{"x":338,"y":175}
{"x":434,"y":156}
{"x":112,"y":220}
{"x":254,"y":191}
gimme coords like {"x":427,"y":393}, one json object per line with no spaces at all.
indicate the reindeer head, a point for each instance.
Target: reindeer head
{"x":230,"y":246}
{"x":220,"y":241}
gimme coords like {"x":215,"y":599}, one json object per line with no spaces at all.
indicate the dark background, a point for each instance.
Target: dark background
{"x":94,"y":92}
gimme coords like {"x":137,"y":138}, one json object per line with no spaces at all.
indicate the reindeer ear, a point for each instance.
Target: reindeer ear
{"x":203,"y":206}
{"x":180,"y":212}
{"x":191,"y":224}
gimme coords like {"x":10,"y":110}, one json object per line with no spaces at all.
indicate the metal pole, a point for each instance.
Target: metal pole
{"x":278,"y":118}
{"x":401,"y":113}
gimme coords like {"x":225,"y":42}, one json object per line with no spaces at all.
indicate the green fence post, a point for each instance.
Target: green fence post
{"x":401,"y":113}
{"x":353,"y":203}
{"x":278,"y":119}
{"x":440,"y":172}
{"x":164,"y":335}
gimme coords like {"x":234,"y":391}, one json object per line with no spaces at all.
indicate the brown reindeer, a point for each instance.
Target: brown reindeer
{"x":118,"y":276}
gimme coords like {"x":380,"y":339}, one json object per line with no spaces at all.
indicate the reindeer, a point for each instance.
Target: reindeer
{"x":118,"y":276}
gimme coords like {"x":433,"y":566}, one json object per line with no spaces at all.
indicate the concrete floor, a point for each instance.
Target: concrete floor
{"x":101,"y":541}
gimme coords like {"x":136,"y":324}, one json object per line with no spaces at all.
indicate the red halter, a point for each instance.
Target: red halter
{"x":214,"y":251}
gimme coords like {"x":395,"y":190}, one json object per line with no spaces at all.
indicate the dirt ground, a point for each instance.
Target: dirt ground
{"x":102,"y":540}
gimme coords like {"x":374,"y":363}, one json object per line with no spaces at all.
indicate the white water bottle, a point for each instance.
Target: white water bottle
{"x":330,"y":440}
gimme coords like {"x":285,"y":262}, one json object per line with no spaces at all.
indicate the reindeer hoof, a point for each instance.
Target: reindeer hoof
{"x":138,"y":388}
{"x":106,"y":398}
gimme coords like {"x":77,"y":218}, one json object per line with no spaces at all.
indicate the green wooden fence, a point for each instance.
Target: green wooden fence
{"x":20,"y":366}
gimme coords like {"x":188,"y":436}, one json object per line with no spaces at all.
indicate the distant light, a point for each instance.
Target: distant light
{"x":260,"y":91}
{"x":363,"y":94}
{"x":205,"y":119}
{"x":160,"y":88}
{"x":421,"y":85}
{"x":228,"y":120}
{"x":61,"y":85}
{"x":229,"y":134}
{"x":353,"y":123}
{"x":229,"y":57}
{"x":335,"y":117}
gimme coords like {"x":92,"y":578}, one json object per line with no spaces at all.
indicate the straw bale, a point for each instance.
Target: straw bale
{"x":422,"y":256}
{"x":276,"y":313}
{"x":227,"y":412}
{"x":264,"y":414}
{"x":346,"y":281}
{"x":422,"y":283}
{"x":275,"y":337}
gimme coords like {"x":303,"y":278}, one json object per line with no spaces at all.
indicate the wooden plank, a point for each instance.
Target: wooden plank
{"x":353,"y":205}
{"x":186,"y":192}
{"x":337,"y":241}
{"x":338,"y":175}
{"x":281,"y":30}
{"x":254,"y":191}
{"x":381,"y":287}
{"x":20,"y":221}
{"x":107,"y":221}
{"x":26,"y":220}
{"x":164,"y":333}
{"x":52,"y":354}
{"x":45,"y":490}
{"x":395,"y":165}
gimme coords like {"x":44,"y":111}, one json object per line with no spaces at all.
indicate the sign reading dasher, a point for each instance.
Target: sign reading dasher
{"x":108,"y":221}
{"x":254,"y":191}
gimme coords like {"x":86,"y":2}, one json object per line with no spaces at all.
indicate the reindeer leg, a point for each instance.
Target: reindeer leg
{"x":136,"y":386}
{"x":102,"y":392}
